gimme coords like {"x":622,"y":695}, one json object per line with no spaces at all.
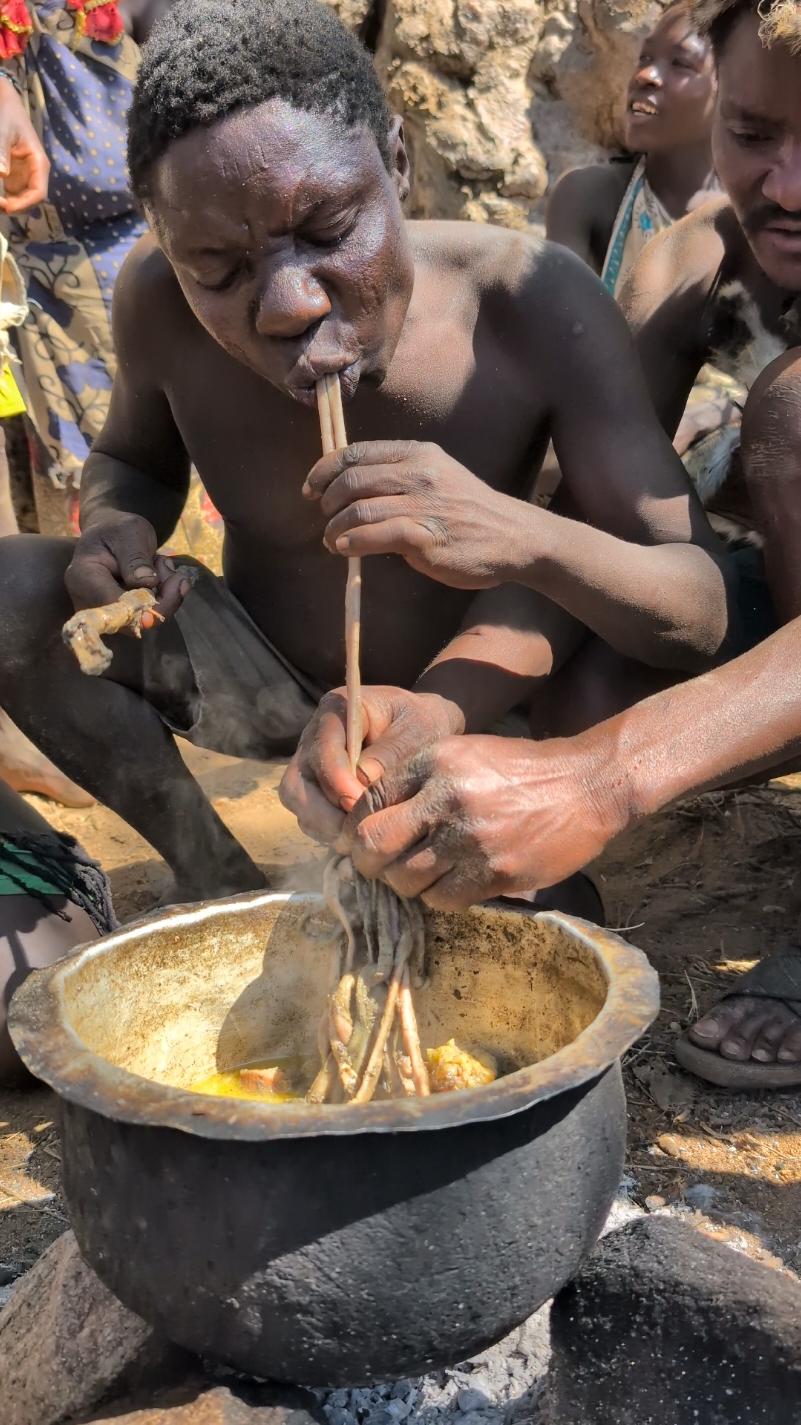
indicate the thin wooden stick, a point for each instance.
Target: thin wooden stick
{"x":334,"y":437}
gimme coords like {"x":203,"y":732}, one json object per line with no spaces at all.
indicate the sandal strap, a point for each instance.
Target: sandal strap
{"x":778,"y":976}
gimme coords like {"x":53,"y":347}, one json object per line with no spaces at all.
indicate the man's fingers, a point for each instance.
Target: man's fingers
{"x":172,"y":592}
{"x":454,"y":892}
{"x":90,"y":583}
{"x":316,"y":817}
{"x":330,"y":761}
{"x":362,"y":482}
{"x":419,"y":869}
{"x":376,"y":839}
{"x":360,"y":453}
{"x":398,"y":534}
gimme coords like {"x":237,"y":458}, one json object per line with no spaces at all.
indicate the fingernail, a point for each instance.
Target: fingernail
{"x":347,"y":803}
{"x":184,"y":587}
{"x":144,"y":572}
{"x":170,"y":563}
{"x":305,"y":490}
{"x":343,"y":544}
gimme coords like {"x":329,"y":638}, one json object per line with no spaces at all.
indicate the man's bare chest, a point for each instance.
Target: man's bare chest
{"x":253,"y":446}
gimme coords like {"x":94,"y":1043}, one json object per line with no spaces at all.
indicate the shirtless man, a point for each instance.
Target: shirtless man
{"x":273,"y":175}
{"x":477,"y":816}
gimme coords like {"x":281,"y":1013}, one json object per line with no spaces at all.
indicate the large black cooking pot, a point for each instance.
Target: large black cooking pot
{"x":334,"y":1245}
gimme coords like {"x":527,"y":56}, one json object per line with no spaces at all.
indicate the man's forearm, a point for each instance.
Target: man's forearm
{"x":511,"y":639}
{"x":738,"y":721}
{"x":666,"y":605}
{"x":110,"y":486}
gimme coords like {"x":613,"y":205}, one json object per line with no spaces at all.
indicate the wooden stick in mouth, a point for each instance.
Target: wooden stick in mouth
{"x":334,"y":437}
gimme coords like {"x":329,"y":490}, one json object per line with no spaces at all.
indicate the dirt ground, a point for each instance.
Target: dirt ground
{"x":703,"y":889}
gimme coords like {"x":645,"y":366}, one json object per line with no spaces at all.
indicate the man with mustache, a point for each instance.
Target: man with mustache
{"x":475,"y":817}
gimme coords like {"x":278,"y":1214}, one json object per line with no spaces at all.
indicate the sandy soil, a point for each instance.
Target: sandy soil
{"x":703,"y":889}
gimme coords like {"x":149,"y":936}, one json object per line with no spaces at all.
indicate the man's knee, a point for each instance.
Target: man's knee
{"x":771,"y":430}
{"x":33,"y":598}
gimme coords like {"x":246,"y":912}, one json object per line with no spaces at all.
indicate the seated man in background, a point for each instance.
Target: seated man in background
{"x":477,"y":817}
{"x":272,"y":175}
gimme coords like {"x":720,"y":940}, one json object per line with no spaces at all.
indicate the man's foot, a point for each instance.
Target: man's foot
{"x":25,"y":769}
{"x":752,"y":1039}
{"x":742,"y":1028}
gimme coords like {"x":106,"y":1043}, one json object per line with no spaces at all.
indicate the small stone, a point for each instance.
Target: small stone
{"x":701,"y":1196}
{"x":10,"y":1272}
{"x":654,"y":1201}
{"x":471,"y":1399}
{"x":399,"y":1409}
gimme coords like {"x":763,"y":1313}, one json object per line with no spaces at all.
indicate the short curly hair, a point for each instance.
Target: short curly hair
{"x":780,"y":21}
{"x":206,"y":59}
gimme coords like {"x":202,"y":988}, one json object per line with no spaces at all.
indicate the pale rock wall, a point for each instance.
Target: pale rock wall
{"x":500,"y":96}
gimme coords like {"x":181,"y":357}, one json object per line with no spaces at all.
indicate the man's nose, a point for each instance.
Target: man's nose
{"x":782,"y":184}
{"x":647,"y":75}
{"x":292,"y":300}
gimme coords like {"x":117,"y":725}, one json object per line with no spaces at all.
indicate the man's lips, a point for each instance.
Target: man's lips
{"x":304,"y":390}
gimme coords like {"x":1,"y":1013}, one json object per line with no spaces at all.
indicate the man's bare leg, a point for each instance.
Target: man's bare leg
{"x":22,"y":765}
{"x":743,"y":1028}
{"x":104,"y":734}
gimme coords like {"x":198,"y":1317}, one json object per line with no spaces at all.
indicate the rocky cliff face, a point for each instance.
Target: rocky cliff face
{"x":500,"y":96}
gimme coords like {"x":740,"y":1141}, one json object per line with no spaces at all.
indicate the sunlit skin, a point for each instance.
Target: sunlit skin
{"x":449,"y":824}
{"x":668,"y":114}
{"x":279,"y":253}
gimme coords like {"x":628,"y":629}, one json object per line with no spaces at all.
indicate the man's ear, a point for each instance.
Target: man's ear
{"x":401,"y":167}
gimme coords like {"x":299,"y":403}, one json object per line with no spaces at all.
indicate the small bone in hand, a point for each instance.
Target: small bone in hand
{"x":83,"y":633}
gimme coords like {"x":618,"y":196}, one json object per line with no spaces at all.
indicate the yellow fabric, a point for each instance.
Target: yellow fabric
{"x":11,"y":402}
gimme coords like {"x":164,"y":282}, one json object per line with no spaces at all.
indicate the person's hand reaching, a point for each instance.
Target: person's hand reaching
{"x":319,"y":786}
{"x":24,"y":165}
{"x":476,"y":817}
{"x":120,"y":553}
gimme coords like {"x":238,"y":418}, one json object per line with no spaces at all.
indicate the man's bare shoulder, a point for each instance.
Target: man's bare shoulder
{"x":590,"y":196}
{"x":147,"y":297}
{"x":504,"y":264}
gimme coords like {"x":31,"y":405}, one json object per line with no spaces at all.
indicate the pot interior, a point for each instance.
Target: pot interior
{"x":205,"y":992}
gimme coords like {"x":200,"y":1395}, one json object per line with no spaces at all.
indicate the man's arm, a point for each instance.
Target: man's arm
{"x":570,"y":216}
{"x":136,"y":479}
{"x":623,"y":485}
{"x":665,"y":302}
{"x":501,"y":816}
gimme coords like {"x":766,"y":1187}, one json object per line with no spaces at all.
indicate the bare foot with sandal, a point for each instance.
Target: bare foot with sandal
{"x":752,"y":1038}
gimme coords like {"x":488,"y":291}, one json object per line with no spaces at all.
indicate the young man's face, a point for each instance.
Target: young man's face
{"x":757,"y":147}
{"x":286,"y":234}
{"x":671,"y":94}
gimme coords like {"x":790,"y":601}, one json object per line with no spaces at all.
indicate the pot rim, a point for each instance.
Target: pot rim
{"x":55,"y":1054}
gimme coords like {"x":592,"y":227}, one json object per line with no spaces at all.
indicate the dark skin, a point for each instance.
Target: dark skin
{"x":669,"y":111}
{"x":440,"y":827}
{"x":282,"y":254}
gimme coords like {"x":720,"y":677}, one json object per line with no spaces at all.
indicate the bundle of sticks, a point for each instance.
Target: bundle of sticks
{"x":368,"y":1036}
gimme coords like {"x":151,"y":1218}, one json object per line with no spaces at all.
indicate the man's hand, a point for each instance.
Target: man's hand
{"x":319,"y":787}
{"x":410,"y":498}
{"x":24,"y":165}
{"x":476,"y":817}
{"x":119,"y":553}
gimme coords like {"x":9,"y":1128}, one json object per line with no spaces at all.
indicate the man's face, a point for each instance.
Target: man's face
{"x":286,"y":234}
{"x":757,"y":148}
{"x":671,"y":95}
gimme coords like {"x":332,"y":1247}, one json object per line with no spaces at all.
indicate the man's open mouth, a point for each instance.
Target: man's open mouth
{"x":643,"y":108}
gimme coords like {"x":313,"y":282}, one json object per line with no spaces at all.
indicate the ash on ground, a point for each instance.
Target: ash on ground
{"x":501,"y":1386}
